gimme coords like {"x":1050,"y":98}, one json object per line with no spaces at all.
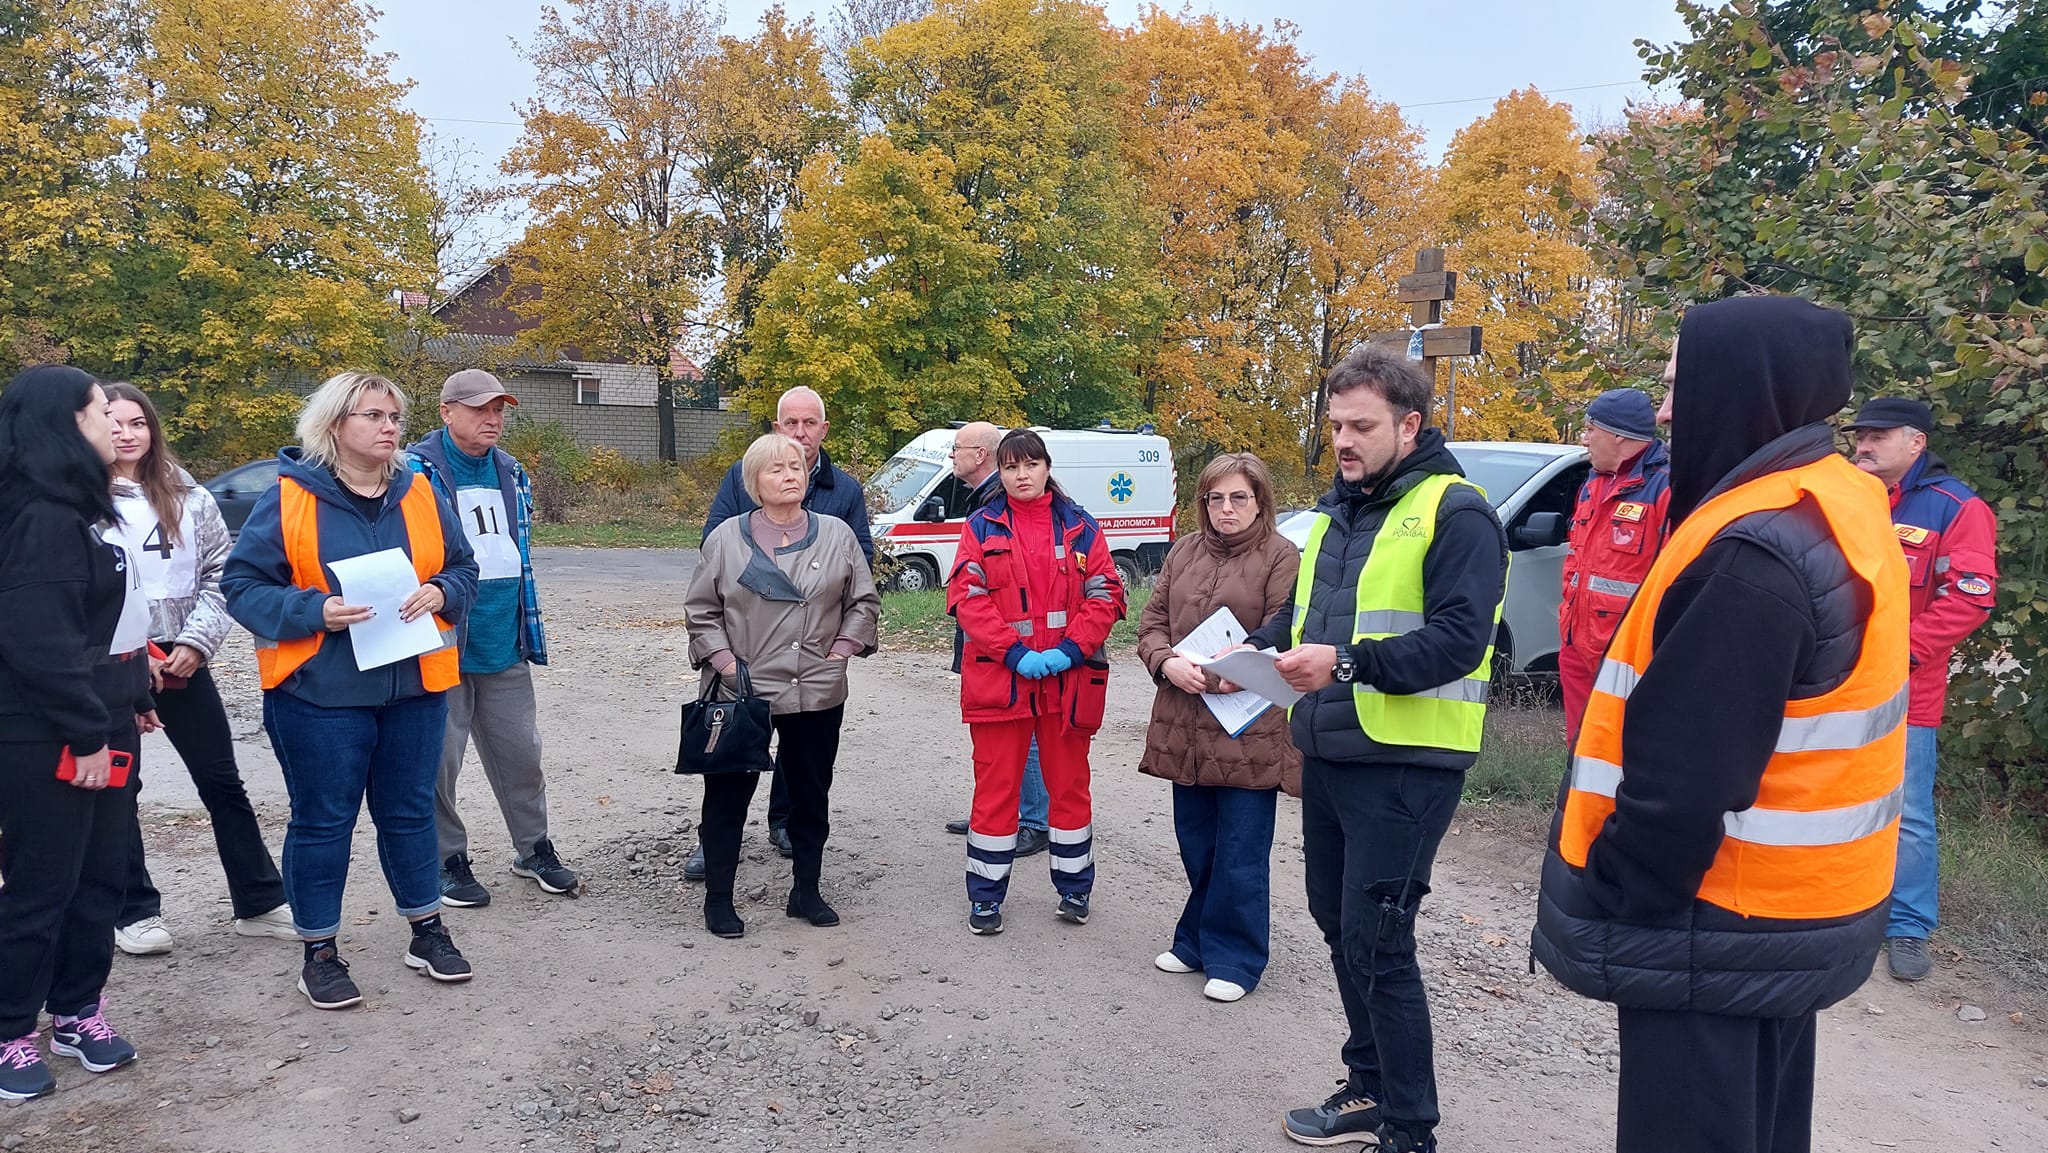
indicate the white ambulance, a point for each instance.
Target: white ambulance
{"x":1124,"y":479}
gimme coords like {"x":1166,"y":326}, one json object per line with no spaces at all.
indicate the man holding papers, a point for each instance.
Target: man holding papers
{"x":1227,"y":756}
{"x":1389,"y":634}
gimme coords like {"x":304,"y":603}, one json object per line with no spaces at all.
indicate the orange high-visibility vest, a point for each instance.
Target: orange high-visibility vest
{"x":1822,"y":838}
{"x":298,"y":512}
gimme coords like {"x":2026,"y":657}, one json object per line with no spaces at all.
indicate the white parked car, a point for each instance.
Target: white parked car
{"x":1533,"y":487}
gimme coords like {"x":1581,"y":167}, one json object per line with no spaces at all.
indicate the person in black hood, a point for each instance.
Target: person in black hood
{"x":1390,"y":634}
{"x":1713,"y":867}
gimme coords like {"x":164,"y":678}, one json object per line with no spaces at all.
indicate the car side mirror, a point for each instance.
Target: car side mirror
{"x":230,"y":492}
{"x":1539,"y":530}
{"x":932,"y":511}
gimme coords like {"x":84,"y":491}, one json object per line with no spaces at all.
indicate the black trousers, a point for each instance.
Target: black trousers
{"x":1370,"y":835}
{"x":197,"y":724}
{"x":67,"y":854}
{"x":807,"y":746}
{"x":1700,"y":1083}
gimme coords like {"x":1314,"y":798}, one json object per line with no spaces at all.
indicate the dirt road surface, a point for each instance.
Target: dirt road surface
{"x":615,"y":1022}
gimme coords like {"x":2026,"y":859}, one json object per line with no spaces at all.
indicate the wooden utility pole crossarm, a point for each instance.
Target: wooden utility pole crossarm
{"x":1425,"y":290}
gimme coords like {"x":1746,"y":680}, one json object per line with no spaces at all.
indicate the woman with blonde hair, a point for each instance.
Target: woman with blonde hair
{"x":174,"y":530}
{"x":342,"y":732}
{"x":787,"y":592}
{"x":1224,"y":784}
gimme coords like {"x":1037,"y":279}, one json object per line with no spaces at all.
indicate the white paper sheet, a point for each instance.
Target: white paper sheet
{"x":1234,"y":711}
{"x":1252,"y":669}
{"x":383,"y":581}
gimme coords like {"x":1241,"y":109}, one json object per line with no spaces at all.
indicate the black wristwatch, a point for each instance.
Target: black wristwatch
{"x":1347,"y":669}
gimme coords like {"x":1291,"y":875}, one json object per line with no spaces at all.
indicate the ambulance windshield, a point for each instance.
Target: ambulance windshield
{"x":901,"y":480}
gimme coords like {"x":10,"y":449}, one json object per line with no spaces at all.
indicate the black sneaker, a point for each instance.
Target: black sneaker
{"x":92,"y":1041}
{"x":326,"y":984}
{"x":693,"y":869}
{"x":433,"y":952}
{"x":544,"y":868}
{"x":1907,"y":958}
{"x":1030,"y":841}
{"x":459,"y":885}
{"x":779,"y":837}
{"x":1073,"y":909}
{"x":1349,"y":1116}
{"x":23,"y":1075}
{"x":985,"y":918}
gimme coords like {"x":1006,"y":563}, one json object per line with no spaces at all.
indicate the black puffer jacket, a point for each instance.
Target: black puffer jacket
{"x":1766,"y":614}
{"x":1462,"y":578}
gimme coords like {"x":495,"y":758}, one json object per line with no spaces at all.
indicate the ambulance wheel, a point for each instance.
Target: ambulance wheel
{"x":1127,"y":569}
{"x":916,"y":574}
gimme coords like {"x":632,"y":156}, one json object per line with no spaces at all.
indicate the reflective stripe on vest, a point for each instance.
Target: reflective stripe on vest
{"x":1389,"y":603}
{"x":1821,"y":840}
{"x":299,"y":522}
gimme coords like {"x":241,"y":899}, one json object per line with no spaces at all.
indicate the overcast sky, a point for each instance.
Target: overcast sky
{"x":1444,"y":62}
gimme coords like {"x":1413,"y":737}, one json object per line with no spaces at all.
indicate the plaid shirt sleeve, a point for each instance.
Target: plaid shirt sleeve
{"x":534,"y":639}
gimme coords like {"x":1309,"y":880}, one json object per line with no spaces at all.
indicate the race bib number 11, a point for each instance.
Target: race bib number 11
{"x":489,"y":529}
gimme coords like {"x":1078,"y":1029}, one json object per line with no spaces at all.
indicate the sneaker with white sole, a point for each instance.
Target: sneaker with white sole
{"x":985,"y":918}
{"x":24,"y":1076}
{"x":1225,"y":991}
{"x":545,"y":868}
{"x":459,"y":886}
{"x":144,"y":938}
{"x":1349,"y":1116}
{"x":92,"y":1041}
{"x":1170,"y":962}
{"x":276,"y":924}
{"x":326,"y":983}
{"x":434,"y":954}
{"x":1073,"y":909}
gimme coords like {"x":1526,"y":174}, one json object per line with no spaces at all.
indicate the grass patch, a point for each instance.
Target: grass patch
{"x":1994,"y":888}
{"x":1521,"y":758}
{"x":648,"y":532}
{"x":918,"y":620}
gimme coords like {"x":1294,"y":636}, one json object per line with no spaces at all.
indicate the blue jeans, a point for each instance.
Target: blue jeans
{"x":1914,"y":886}
{"x":1226,"y":845}
{"x":1034,"y":804}
{"x":332,"y":759}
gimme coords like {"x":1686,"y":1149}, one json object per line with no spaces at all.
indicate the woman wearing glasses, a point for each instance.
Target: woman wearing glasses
{"x":1224,"y":787}
{"x":342,"y":732}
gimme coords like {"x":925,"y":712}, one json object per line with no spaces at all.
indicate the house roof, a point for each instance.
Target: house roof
{"x":495,"y":352}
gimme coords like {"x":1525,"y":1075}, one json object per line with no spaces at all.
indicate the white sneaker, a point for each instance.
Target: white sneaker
{"x":277,"y":924}
{"x":1168,"y":963}
{"x":1220,"y":990}
{"x":144,"y":937}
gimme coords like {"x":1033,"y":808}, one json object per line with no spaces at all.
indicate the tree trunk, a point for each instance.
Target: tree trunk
{"x":665,"y":412}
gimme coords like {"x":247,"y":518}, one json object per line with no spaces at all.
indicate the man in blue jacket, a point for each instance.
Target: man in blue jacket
{"x":799,"y":415}
{"x":493,"y":500}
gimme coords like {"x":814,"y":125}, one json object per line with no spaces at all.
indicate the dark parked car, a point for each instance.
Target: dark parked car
{"x":236,"y":490}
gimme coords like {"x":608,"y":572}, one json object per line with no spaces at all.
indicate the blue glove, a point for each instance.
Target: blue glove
{"x":1056,"y":661}
{"x":1032,"y":665}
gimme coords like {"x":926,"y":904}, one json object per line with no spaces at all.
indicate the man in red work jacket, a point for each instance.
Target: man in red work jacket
{"x":1951,"y":542}
{"x":1617,"y":530}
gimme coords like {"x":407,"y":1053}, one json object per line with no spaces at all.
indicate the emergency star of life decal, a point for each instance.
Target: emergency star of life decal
{"x":1121,"y":486}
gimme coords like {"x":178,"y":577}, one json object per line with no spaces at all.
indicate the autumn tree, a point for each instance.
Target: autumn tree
{"x":1513,"y":189}
{"x":999,"y":145}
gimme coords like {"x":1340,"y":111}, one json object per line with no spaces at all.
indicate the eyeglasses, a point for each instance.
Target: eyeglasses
{"x":960,"y":448}
{"x":1236,"y":499}
{"x":378,"y":416}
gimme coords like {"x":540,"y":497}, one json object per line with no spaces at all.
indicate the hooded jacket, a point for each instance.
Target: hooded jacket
{"x":61,"y":590}
{"x":1463,"y":575}
{"x":1757,"y":378}
{"x":262,"y":596}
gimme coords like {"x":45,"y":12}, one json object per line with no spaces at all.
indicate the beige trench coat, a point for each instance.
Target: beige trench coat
{"x":782,"y":618}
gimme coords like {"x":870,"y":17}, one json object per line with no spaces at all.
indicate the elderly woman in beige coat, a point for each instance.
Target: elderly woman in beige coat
{"x":1224,"y":787}
{"x":788,"y":592}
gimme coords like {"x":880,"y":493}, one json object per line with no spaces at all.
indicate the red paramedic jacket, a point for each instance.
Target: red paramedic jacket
{"x":1951,"y":540}
{"x":988,"y":594}
{"x":1617,"y":531}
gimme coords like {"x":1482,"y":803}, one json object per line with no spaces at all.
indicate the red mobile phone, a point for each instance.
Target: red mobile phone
{"x":118,"y":764}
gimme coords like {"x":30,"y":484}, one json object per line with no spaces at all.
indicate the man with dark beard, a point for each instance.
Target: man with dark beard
{"x":1390,"y":633}
{"x":1721,"y":864}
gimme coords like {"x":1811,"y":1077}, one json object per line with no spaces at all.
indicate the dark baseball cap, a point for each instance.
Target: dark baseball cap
{"x":1892,"y":412}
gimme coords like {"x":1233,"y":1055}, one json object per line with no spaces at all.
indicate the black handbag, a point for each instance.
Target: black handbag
{"x":726,"y":736}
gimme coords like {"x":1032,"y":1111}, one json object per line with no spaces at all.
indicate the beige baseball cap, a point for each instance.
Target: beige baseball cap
{"x":475,"y":388}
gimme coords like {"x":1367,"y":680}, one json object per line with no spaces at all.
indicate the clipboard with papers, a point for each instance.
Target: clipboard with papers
{"x":1250,"y":668}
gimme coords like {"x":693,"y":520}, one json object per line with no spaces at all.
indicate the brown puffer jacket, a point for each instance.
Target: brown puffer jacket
{"x":1185,"y":744}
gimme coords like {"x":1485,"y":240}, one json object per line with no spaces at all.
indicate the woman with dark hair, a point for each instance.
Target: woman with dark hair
{"x":174,"y":531}
{"x":64,"y":714}
{"x":343,"y":733}
{"x":1034,"y":589}
{"x":1224,"y":784}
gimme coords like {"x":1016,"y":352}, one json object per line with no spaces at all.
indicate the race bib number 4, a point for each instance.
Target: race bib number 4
{"x":166,"y":569}
{"x":482,"y":511}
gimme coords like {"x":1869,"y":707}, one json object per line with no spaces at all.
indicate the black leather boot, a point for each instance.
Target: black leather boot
{"x":805,"y":901}
{"x":721,"y":918}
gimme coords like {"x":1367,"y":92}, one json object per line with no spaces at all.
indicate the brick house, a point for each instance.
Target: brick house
{"x":599,"y":402}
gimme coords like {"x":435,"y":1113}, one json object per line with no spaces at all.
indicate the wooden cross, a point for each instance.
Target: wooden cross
{"x":1425,"y":291}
